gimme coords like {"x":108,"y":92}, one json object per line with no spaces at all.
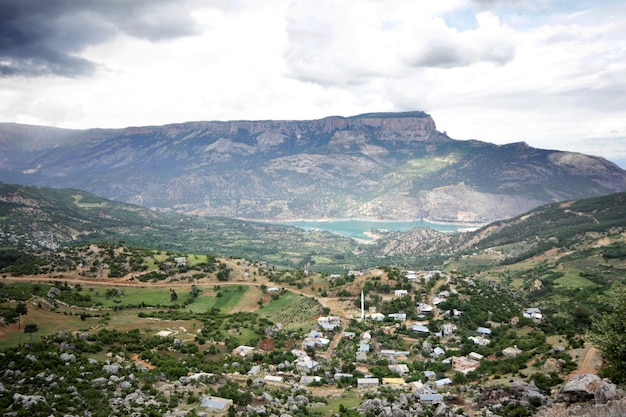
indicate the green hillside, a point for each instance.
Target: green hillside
{"x":38,"y":217}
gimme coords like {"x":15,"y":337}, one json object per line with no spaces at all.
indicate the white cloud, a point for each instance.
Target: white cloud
{"x":501,"y":71}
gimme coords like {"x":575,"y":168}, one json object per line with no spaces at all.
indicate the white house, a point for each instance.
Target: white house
{"x":400,"y":293}
{"x":367,"y":382}
{"x":273,"y":378}
{"x":448,"y":328}
{"x":389,"y":352}
{"x":479,"y":340}
{"x":377,"y":316}
{"x":243,"y":351}
{"x":442,"y":382}
{"x":533,"y":314}
{"x":425,"y":308}
{"x":431,"y":398}
{"x":398,"y":316}
{"x":401,"y":368}
{"x":305,"y":364}
{"x":216,"y":403}
{"x":420,"y":328}
{"x":329,"y":323}
{"x":483,"y":330}
{"x":433,"y":274}
{"x":438,"y":351}
{"x":511,"y":352}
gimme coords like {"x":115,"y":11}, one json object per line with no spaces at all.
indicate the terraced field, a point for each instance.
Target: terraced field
{"x":292,"y":310}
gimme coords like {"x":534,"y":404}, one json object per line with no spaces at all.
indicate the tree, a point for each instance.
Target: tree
{"x":20,"y":310}
{"x":609,"y":336}
{"x":30,"y":329}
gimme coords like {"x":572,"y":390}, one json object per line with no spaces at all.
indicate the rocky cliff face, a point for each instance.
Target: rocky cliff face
{"x":378,"y":166}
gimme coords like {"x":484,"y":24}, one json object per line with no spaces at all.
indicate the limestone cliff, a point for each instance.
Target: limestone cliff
{"x":378,"y":165}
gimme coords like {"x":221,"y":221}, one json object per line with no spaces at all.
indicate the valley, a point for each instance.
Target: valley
{"x":149,"y":294}
{"x":448,"y":320}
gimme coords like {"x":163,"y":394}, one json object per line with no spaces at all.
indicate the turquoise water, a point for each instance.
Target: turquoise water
{"x":356,"y":228}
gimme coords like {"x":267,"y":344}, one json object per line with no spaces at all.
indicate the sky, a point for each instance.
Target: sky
{"x":551,"y":73}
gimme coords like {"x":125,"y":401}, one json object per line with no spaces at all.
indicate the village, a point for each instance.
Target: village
{"x":384,"y":338}
{"x":350,"y":352}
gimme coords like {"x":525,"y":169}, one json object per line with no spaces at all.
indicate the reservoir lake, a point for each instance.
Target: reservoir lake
{"x":357,"y":229}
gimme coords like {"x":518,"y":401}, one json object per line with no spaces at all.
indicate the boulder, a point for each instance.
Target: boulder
{"x":53,"y":292}
{"x":27,"y":401}
{"x":113,"y":368}
{"x":587,"y":387}
{"x":607,"y":392}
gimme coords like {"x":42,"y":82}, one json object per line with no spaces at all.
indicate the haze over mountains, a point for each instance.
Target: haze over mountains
{"x":389,"y":166}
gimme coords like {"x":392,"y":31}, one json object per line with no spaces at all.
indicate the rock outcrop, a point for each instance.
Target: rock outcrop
{"x":588,"y":387}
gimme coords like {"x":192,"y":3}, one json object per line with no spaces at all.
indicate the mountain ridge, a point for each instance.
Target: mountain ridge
{"x":390,"y":166}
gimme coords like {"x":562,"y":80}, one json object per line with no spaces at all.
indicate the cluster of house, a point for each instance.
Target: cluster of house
{"x":429,"y":390}
{"x":426,"y":275}
{"x":350,"y":272}
{"x":177,"y":263}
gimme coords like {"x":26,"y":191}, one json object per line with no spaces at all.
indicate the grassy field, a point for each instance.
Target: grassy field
{"x":574,"y":280}
{"x":226,"y":298}
{"x":47,"y":322}
{"x":134,"y":297}
{"x":119,"y":311}
{"x":349,"y":399}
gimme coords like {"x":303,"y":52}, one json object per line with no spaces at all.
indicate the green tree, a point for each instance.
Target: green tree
{"x":30,"y":329}
{"x":20,"y":310}
{"x":609,"y":336}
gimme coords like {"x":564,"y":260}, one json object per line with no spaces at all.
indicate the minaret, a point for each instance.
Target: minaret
{"x":362,"y":306}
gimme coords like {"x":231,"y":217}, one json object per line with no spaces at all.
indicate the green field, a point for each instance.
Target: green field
{"x":136,"y":296}
{"x":120,"y":311}
{"x":348,"y":399}
{"x":574,"y":280}
{"x":291,"y":309}
{"x":227,"y":301}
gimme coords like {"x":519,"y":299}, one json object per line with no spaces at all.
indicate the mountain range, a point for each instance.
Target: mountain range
{"x":389,"y":166}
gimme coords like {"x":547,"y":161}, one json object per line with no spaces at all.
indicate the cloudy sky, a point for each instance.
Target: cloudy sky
{"x":548,"y":72}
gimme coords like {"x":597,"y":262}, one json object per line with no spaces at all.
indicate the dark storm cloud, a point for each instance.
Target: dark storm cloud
{"x":442,"y":57}
{"x":43,"y":37}
{"x":458,"y":55}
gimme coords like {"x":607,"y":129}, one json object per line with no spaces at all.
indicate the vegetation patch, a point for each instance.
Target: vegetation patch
{"x":291,"y":309}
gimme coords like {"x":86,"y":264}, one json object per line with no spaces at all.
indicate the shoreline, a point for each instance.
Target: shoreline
{"x":368,"y":231}
{"x":329,"y":220}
